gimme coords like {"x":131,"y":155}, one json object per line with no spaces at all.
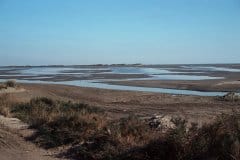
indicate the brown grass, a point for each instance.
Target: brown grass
{"x":9,"y":83}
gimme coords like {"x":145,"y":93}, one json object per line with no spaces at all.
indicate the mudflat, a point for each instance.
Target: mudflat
{"x":226,"y":85}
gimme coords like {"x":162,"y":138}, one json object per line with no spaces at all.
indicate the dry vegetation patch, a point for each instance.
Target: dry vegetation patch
{"x":86,"y":128}
{"x":90,"y":134}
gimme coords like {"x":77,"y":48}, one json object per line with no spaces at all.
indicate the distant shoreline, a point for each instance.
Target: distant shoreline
{"x":129,"y":65}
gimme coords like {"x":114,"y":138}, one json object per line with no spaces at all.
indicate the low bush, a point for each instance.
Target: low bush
{"x":114,"y":139}
{"x":217,"y":141}
{"x":2,"y":86}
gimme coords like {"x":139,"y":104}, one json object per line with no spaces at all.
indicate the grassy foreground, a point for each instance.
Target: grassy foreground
{"x":91,"y":135}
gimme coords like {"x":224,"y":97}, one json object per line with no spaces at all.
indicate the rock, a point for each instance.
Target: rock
{"x":232,"y":96}
{"x":161,"y":122}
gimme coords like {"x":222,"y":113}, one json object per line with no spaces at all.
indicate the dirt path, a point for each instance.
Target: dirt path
{"x":11,"y":90}
{"x":13,"y":146}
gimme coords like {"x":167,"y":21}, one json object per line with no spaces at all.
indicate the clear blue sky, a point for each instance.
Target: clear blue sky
{"x":38,"y":32}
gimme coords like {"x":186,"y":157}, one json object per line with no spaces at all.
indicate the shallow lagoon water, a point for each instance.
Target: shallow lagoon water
{"x":97,"y":84}
{"x":101,"y":85}
{"x":142,"y":70}
{"x":183,"y":77}
{"x":211,"y":68}
{"x":46,"y":71}
{"x":154,"y":73}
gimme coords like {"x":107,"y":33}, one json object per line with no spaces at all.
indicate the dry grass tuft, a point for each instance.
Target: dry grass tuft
{"x":11,"y":83}
{"x":2,"y":86}
{"x":6,"y":103}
